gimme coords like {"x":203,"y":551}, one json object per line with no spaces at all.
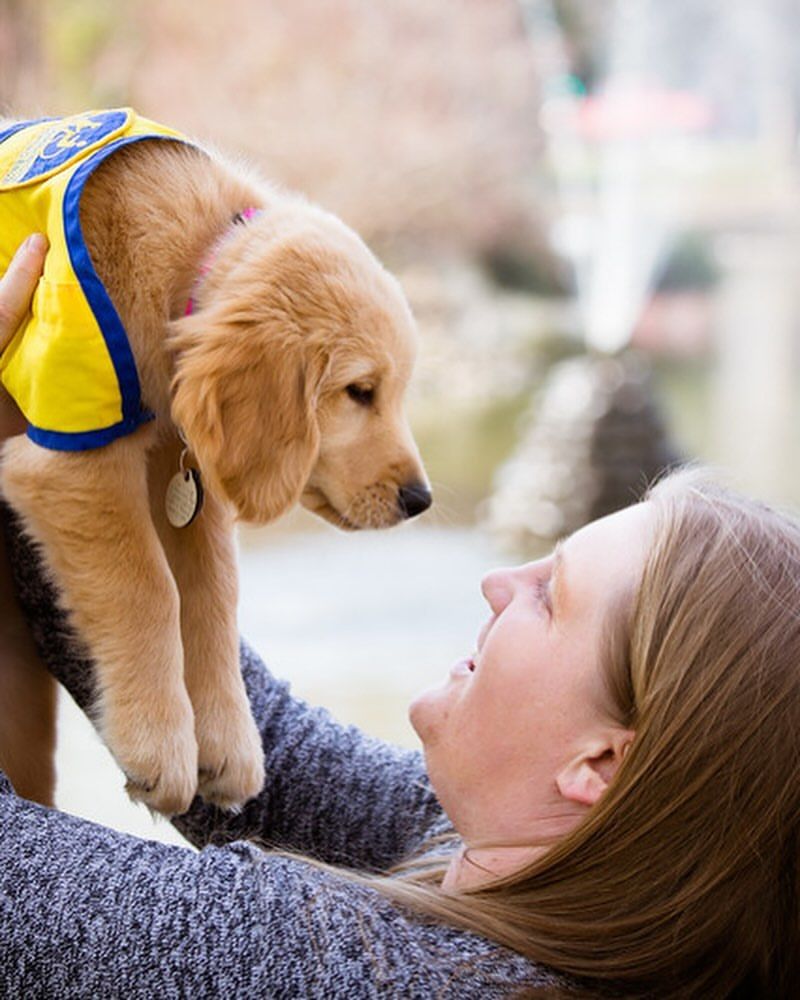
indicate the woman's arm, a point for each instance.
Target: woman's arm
{"x":89,"y":912}
{"x":330,"y":791}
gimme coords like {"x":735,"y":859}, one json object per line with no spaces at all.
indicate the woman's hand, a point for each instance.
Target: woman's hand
{"x":16,"y":291}
{"x":18,"y":285}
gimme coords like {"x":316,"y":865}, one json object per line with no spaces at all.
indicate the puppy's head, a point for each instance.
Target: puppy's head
{"x":289,"y":377}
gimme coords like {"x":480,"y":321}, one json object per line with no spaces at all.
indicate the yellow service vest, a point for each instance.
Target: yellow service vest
{"x":69,"y":367}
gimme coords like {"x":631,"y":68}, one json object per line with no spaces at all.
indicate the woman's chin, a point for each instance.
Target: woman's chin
{"x":429,"y":710}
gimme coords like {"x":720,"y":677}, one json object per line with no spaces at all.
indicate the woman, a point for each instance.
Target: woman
{"x":618,"y":766}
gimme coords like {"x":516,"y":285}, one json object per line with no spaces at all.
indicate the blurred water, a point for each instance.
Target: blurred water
{"x":359,"y":623}
{"x":370,"y":616}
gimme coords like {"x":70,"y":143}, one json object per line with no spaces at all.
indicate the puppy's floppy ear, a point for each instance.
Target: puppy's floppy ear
{"x":244,"y":394}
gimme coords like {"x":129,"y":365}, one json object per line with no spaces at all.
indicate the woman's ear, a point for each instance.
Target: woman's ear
{"x":586,"y":777}
{"x":244,"y":397}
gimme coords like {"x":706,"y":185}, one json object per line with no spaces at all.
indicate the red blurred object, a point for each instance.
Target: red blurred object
{"x":677,"y":324}
{"x":625,"y":114}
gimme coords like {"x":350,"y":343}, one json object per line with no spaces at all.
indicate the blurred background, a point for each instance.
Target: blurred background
{"x":594,"y":209}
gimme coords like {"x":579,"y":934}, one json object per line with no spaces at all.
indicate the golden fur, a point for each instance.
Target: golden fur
{"x":294,"y":313}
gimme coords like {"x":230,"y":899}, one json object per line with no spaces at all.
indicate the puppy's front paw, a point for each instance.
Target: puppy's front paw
{"x":158,"y":756}
{"x":231,"y":768}
{"x":167,"y":786}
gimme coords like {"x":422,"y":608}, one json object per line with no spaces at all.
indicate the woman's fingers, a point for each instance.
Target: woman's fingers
{"x":18,"y":284}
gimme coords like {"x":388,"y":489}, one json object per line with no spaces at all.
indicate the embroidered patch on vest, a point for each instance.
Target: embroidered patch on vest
{"x":61,"y":141}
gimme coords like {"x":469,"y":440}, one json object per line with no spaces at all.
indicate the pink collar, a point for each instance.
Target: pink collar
{"x":238,"y":220}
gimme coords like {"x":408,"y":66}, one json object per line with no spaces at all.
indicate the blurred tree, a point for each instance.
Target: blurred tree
{"x":690,"y":265}
{"x":585,"y":27}
{"x":20,"y":56}
{"x":416,"y":122}
{"x":91,"y":48}
{"x":403,"y":117}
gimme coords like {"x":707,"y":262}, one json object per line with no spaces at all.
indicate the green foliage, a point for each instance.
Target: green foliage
{"x":689,"y":266}
{"x":522,"y":267}
{"x":462,"y":446}
{"x":77,"y":34}
{"x":685,"y":387}
{"x":464,"y":443}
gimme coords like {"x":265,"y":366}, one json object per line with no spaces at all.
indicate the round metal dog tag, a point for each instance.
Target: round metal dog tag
{"x":184,"y":498}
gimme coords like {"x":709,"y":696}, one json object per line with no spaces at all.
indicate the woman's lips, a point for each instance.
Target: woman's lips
{"x":468,"y":666}
{"x":462,"y":669}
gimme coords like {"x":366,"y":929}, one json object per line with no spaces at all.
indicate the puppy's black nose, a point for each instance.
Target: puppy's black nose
{"x":414,"y":499}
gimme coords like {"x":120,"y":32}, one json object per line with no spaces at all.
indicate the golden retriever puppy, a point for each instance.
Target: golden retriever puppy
{"x":282,"y":381}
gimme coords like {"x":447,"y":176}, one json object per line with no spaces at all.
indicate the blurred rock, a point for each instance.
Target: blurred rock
{"x":592,"y":445}
{"x":477,"y":343}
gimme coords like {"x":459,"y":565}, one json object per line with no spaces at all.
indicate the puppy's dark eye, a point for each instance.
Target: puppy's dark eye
{"x":361,"y":394}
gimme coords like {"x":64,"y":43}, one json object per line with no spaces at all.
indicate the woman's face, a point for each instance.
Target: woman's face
{"x":529,"y":704}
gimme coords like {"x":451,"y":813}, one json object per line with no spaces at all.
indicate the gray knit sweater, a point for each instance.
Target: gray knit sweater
{"x":86,"y":912}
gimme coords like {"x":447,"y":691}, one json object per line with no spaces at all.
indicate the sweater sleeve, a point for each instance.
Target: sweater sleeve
{"x":88,"y":912}
{"x":330,"y":792}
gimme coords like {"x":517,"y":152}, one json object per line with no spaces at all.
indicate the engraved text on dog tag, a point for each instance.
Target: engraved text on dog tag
{"x":184,"y":497}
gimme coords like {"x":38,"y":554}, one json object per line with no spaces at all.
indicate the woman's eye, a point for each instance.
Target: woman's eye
{"x":542,"y":590}
{"x":360,"y":394}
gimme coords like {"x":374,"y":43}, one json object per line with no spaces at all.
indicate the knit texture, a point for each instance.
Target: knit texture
{"x":87,"y":912}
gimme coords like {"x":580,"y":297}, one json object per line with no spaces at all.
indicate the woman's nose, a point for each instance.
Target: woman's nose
{"x":497,"y":588}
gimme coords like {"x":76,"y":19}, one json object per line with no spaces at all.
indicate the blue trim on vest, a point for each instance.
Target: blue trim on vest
{"x":19,"y":126}
{"x":93,"y":288}
{"x":133,"y":412}
{"x":85,"y":440}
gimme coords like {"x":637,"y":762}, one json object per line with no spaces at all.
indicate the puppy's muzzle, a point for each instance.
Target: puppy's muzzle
{"x":413,"y":499}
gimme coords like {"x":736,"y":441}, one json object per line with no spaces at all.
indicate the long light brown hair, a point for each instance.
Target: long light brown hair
{"x":683,"y":880}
